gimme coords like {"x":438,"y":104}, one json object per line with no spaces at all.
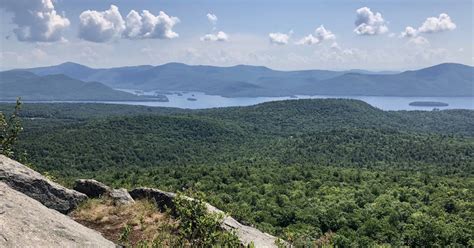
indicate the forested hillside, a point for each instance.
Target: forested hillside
{"x":311,"y":171}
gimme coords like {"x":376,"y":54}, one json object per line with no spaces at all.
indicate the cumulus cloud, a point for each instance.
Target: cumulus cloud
{"x":149,"y":26}
{"x":369,"y":23}
{"x":278,"y":38}
{"x":409,"y":32}
{"x":219,"y":36}
{"x":320,"y":34}
{"x":437,"y":24}
{"x":308,"y":40}
{"x":212,"y":18}
{"x":103,"y":26}
{"x":36,"y":20}
{"x":431,"y":25}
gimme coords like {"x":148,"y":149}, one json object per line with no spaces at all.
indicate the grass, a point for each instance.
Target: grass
{"x":134,"y":225}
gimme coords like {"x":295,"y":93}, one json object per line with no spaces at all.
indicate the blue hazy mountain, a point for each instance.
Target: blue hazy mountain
{"x":57,"y":87}
{"x":243,"y":80}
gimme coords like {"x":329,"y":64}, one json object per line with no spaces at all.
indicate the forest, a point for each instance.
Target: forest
{"x":313,"y":172}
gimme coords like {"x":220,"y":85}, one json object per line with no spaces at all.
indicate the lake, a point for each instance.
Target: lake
{"x":199,"y":100}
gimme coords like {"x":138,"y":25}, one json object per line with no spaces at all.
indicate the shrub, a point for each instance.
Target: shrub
{"x":199,"y":227}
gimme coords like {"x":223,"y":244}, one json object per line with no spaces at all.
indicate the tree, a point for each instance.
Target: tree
{"x":10,"y":127}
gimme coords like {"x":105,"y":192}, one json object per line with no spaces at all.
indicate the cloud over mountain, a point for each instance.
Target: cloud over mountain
{"x":430,"y":25}
{"x":320,"y":34}
{"x":149,"y":26}
{"x":369,"y":23}
{"x":278,"y":38}
{"x":103,"y":26}
{"x":437,"y":24}
{"x":36,"y":20}
{"x":219,"y":36}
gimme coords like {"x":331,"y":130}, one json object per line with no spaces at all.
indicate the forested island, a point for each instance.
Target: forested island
{"x":326,"y":171}
{"x":428,"y":104}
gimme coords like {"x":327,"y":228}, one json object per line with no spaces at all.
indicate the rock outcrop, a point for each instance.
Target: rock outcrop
{"x":91,"y":187}
{"x":38,"y":187}
{"x":25,"y":222}
{"x":246,"y":234}
{"x":95,"y":189}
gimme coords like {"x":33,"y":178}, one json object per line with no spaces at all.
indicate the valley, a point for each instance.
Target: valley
{"x":303,"y":170}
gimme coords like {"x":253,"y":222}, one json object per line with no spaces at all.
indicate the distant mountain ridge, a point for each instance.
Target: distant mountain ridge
{"x":447,"y":79}
{"x":58,"y":87}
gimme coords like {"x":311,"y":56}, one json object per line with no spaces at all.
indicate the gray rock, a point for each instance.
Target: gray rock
{"x":162,"y":199}
{"x":246,"y":234}
{"x":25,"y":222}
{"x":120,"y":196}
{"x":91,"y":187}
{"x":95,"y":189}
{"x":38,"y":187}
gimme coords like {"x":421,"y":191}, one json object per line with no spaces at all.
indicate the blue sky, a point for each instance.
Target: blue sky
{"x":286,"y":35}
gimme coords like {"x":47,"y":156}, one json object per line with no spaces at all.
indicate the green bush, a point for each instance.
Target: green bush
{"x":199,"y":227}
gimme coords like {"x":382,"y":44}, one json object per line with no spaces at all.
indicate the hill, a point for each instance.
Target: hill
{"x":439,"y":80}
{"x":58,"y":87}
{"x":309,"y":171}
{"x":249,"y":81}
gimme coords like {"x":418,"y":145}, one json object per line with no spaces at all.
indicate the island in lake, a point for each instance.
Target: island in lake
{"x":428,"y":104}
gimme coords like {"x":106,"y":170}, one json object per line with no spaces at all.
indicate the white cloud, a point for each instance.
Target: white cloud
{"x":278,"y":38}
{"x":321,"y":34}
{"x":437,"y":24}
{"x":409,"y":32}
{"x":419,"y":40}
{"x":149,"y":26}
{"x":219,"y":36}
{"x":308,"y":40}
{"x":212,"y":18}
{"x":369,"y":23}
{"x":36,"y":20}
{"x":101,"y":26}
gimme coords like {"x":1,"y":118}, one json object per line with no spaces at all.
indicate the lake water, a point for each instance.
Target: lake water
{"x":201,"y":101}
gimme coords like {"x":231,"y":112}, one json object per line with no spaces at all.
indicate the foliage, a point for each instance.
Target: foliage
{"x":199,"y":227}
{"x":336,"y":172}
{"x":10,"y":127}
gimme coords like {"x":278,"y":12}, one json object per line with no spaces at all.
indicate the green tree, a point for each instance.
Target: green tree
{"x":10,"y":127}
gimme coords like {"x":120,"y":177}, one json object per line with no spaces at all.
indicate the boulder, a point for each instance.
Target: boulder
{"x":91,"y":187}
{"x":38,"y":187}
{"x":95,"y":189}
{"x":120,"y":196}
{"x":162,"y":199}
{"x":25,"y":222}
{"x":246,"y":234}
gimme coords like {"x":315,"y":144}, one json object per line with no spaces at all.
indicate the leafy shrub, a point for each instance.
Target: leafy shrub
{"x":199,"y":227}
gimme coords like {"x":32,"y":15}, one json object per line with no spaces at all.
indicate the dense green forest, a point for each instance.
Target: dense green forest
{"x":310,"y":171}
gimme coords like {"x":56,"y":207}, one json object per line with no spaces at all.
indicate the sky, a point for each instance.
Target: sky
{"x":284,"y":35}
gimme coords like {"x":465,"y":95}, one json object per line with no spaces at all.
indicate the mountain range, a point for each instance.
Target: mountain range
{"x":59,"y":87}
{"x":447,"y":79}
